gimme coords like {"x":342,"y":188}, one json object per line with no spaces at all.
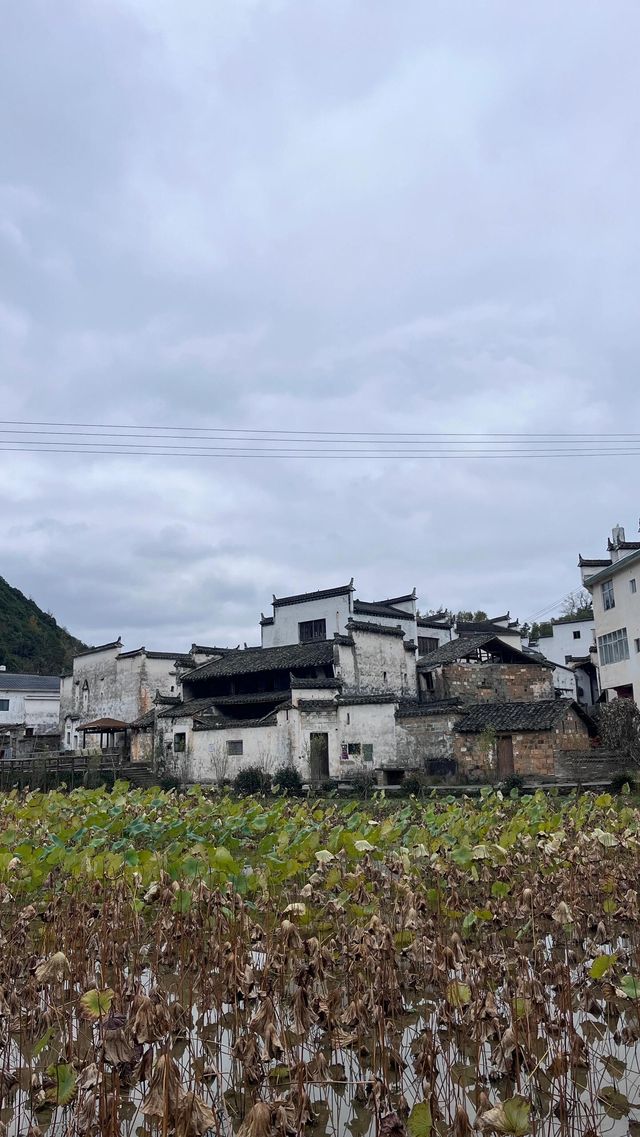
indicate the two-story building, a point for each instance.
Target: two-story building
{"x":108,"y":689}
{"x":614,"y":584}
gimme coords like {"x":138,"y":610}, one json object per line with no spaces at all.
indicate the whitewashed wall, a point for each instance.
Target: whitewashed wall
{"x":335,"y":610}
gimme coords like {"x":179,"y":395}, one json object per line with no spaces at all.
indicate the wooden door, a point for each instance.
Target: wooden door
{"x":505,"y":756}
{"x":319,"y":756}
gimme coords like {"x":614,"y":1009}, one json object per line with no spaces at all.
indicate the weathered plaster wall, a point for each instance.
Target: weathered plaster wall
{"x":423,"y":740}
{"x":381,"y":664}
{"x":117,"y":686}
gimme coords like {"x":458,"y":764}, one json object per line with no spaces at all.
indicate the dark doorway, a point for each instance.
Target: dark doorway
{"x":505,"y":756}
{"x":319,"y":756}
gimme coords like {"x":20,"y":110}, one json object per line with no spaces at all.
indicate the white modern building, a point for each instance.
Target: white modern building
{"x":571,"y":645}
{"x":29,"y":709}
{"x":614,"y":584}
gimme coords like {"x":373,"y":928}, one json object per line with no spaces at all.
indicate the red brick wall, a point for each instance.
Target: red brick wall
{"x":534,"y":752}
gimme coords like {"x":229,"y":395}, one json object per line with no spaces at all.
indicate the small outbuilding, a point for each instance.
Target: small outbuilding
{"x":527,"y":738}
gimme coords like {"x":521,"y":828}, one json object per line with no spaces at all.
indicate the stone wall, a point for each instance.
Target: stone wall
{"x":494,"y":682}
{"x":590,"y":765}
{"x":424,"y":740}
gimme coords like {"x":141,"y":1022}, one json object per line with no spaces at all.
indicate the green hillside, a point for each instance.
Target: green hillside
{"x":30,"y":640}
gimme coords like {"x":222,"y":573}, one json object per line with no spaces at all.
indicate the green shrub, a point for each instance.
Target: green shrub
{"x":619,"y":781}
{"x":363,"y":783}
{"x":513,"y":784}
{"x":287,"y":779}
{"x":252,"y":780}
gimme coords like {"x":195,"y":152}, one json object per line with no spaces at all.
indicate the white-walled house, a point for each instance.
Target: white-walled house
{"x":29,"y":708}
{"x":570,"y":644}
{"x":108,"y":689}
{"x":323,"y":614}
{"x":327,"y":705}
{"x":614,"y":584}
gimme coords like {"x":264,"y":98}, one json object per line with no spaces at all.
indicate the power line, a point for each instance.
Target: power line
{"x":262,"y":432}
{"x":257,"y":453}
{"x":22,"y":436}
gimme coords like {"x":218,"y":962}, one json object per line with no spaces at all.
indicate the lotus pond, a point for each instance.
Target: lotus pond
{"x":193,"y":964}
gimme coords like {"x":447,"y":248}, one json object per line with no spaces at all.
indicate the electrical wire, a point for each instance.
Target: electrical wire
{"x":23,"y":436}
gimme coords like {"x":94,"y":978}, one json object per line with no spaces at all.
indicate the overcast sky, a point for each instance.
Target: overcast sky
{"x":347,"y":215}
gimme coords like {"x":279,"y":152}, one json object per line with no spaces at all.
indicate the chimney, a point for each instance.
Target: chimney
{"x":617,"y":535}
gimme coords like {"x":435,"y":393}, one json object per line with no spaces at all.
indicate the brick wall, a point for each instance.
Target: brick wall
{"x":532,"y":755}
{"x":494,"y":682}
{"x":536,"y":754}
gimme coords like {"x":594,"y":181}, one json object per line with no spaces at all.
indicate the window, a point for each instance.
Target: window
{"x":576,"y":635}
{"x":353,"y":749}
{"x":179,"y":742}
{"x":4,"y":704}
{"x":427,"y":644}
{"x":636,"y":644}
{"x":632,"y":585}
{"x":367,"y":752}
{"x":234,"y":747}
{"x":85,"y":696}
{"x":309,"y":630}
{"x":429,"y":681}
{"x":613,"y":647}
{"x":608,"y":599}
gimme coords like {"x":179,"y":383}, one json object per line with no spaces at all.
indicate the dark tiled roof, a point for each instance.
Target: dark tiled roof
{"x":220,"y":722}
{"x":144,"y":721}
{"x":358,"y":700}
{"x":467,"y":646}
{"x":315,"y":684}
{"x":321,"y":594}
{"x":410,"y":645}
{"x":187,"y":709}
{"x":506,"y":717}
{"x":433,"y":622}
{"x":198,"y":649}
{"x":480,"y":627}
{"x":400,"y":599}
{"x":411,"y":709}
{"x":266,"y":620}
{"x":612,"y":545}
{"x":386,"y":609}
{"x":317,"y":704}
{"x":370,"y":626}
{"x":612,"y":569}
{"x":575,"y":618}
{"x":176,"y":656}
{"x":101,"y":647}
{"x":593,"y":562}
{"x":257,"y":697}
{"x":15,"y":681}
{"x":252,"y":660}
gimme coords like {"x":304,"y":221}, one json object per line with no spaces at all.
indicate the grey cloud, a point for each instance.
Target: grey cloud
{"x":313,"y":215}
